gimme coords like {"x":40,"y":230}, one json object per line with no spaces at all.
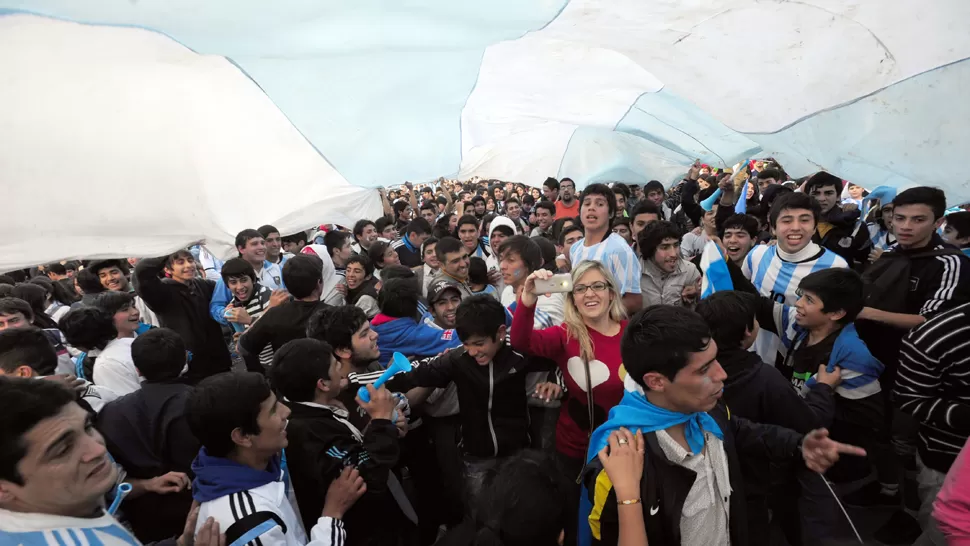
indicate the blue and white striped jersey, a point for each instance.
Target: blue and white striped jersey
{"x":617,"y":256}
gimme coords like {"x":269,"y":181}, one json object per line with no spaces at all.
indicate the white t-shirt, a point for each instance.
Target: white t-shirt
{"x":115,"y":370}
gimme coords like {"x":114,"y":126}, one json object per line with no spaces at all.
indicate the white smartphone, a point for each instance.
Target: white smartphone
{"x":562,"y":282}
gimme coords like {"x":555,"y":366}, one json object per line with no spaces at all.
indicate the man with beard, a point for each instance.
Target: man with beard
{"x":568,"y":206}
{"x":839,"y":228}
{"x":667,"y":278}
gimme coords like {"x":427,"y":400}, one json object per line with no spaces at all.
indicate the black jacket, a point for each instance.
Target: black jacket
{"x":185,"y":309}
{"x":847,"y":237}
{"x":147,"y":434}
{"x":278,"y":325}
{"x":320,"y":446}
{"x":494,"y":405}
{"x":664,"y":486}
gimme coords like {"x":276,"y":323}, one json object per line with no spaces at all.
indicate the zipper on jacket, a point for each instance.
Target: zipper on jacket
{"x":491,"y":390}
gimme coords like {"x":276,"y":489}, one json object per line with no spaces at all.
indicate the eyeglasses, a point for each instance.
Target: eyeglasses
{"x":581,"y":289}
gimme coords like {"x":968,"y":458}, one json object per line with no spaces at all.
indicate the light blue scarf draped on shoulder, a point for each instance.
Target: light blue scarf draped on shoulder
{"x":635,"y":412}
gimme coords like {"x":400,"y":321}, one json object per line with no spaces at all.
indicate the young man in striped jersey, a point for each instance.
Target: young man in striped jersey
{"x":777,"y":270}
{"x":931,"y":385}
{"x":249,"y":301}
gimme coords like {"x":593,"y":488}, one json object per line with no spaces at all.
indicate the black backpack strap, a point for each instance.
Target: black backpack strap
{"x":251,"y":527}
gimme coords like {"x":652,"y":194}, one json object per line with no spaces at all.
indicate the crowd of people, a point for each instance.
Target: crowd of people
{"x":741,"y":358}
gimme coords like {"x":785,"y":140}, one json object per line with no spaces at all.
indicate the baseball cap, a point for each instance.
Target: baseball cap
{"x":438,"y":288}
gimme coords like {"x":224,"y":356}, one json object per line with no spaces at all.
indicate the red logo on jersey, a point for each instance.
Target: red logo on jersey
{"x":447,"y":334}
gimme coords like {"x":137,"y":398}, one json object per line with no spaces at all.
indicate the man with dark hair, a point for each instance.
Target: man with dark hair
{"x":408,"y":247}
{"x":453,"y":257}
{"x":403,"y":213}
{"x":399,"y":326}
{"x":491,"y":388}
{"x":239,"y":481}
{"x":777,"y":270}
{"x":673,"y":386}
{"x":568,"y":205}
{"x":105,"y":332}
{"x":740,"y":235}
{"x":602,"y":245}
{"x":478,"y":207}
{"x":654,"y":193}
{"x":56,"y":271}
{"x":667,"y":277}
{"x":54,"y":469}
{"x":252,"y":248}
{"x":550,"y":190}
{"x":274,"y":245}
{"x":250,"y":300}
{"x":293,"y":244}
{"x":322,"y":442}
{"x":146,"y":432}
{"x":839,"y":227}
{"x":956,"y":231}
{"x":621,"y":227}
{"x":365,"y":233}
{"x":386,"y":229}
{"x":428,"y":211}
{"x":569,"y":236}
{"x":113,"y":275}
{"x":770,"y":177}
{"x":545,"y":212}
{"x":16,"y":313}
{"x":288,"y":320}
{"x":182,"y":304}
{"x":88,"y":285}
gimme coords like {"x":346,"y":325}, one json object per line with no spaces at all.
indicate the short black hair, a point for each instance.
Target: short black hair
{"x":653,"y":185}
{"x":7,"y":279}
{"x":266,"y":230}
{"x":467,"y":219}
{"x":548,"y":205}
{"x":376,"y":253}
{"x":382,"y":223}
{"x":302,"y":274}
{"x":88,"y":281}
{"x":567,"y":230}
{"x":428,"y":205}
{"x":419,"y":226}
{"x":57,"y":268}
{"x":335,"y":239}
{"x":606,"y":192}
{"x":839,"y":289}
{"x":960,"y":221}
{"x":400,"y":206}
{"x":222,"y":403}
{"x":447,"y":245}
{"x":551,"y":183}
{"x":113,"y":301}
{"x":660,"y":339}
{"x":298,"y":365}
{"x":397,"y":271}
{"x":621,"y":222}
{"x":97,"y":266}
{"x":27,"y":402}
{"x":296,"y":238}
{"x":159,"y":354}
{"x":26,"y":347}
{"x":88,"y":328}
{"x":654,"y":235}
{"x":35,"y":296}
{"x":243,"y":237}
{"x":477,"y":199}
{"x":620,"y":187}
{"x":741,"y":221}
{"x":728,"y":314}
{"x":399,"y":298}
{"x":360,"y":225}
{"x":477,"y":270}
{"x":822,"y":179}
{"x":646,"y":207}
{"x":336,"y":325}
{"x":935,"y":198}
{"x":527,"y":249}
{"x":481,"y":315}
{"x":793,"y":201}
{"x":11,"y":305}
{"x":776,"y":174}
{"x":364,"y":262}
{"x":236,"y":268}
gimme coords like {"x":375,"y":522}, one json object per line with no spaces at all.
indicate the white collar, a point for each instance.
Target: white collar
{"x":810,"y":250}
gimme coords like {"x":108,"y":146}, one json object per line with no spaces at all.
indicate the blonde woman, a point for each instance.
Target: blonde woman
{"x":586,"y":346}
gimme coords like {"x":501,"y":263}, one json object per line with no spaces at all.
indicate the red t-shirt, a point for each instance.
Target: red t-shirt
{"x":573,"y":429}
{"x":562,"y":211}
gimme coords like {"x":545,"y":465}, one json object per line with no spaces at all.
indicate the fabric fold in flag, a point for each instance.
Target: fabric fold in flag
{"x":715,"y":270}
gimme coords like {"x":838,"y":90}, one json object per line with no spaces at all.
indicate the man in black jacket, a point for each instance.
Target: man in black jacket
{"x":839,"y":228}
{"x":147,"y":434}
{"x":322,"y":441}
{"x":692,"y":490}
{"x":181,"y":303}
{"x":759,"y":392}
{"x":490,"y":378}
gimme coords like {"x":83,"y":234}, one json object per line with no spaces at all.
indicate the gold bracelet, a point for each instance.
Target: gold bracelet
{"x":628,"y":502}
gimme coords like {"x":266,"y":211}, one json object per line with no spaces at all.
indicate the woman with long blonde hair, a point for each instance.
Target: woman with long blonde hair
{"x":586,"y":347}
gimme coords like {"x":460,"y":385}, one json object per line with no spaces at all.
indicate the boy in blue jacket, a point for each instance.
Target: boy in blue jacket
{"x":399,"y":328}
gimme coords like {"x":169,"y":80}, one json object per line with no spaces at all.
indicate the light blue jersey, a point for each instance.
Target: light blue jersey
{"x":617,"y":256}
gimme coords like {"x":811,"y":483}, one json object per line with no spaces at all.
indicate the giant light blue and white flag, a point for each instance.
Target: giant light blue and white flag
{"x":715,"y":270}
{"x":132,"y":127}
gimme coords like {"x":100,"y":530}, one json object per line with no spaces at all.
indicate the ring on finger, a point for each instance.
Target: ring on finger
{"x":623,"y":441}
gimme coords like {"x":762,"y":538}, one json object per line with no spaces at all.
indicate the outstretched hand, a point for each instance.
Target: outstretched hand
{"x":821,"y":452}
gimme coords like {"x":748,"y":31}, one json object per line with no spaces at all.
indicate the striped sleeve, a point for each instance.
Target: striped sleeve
{"x":952,"y":269}
{"x":934,"y":366}
{"x":328,"y":532}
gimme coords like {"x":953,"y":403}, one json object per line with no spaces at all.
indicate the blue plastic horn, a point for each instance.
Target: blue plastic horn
{"x":399,"y":364}
{"x":708,"y":204}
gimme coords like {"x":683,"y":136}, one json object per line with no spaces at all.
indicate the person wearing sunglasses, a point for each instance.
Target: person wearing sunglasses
{"x":586,"y":348}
